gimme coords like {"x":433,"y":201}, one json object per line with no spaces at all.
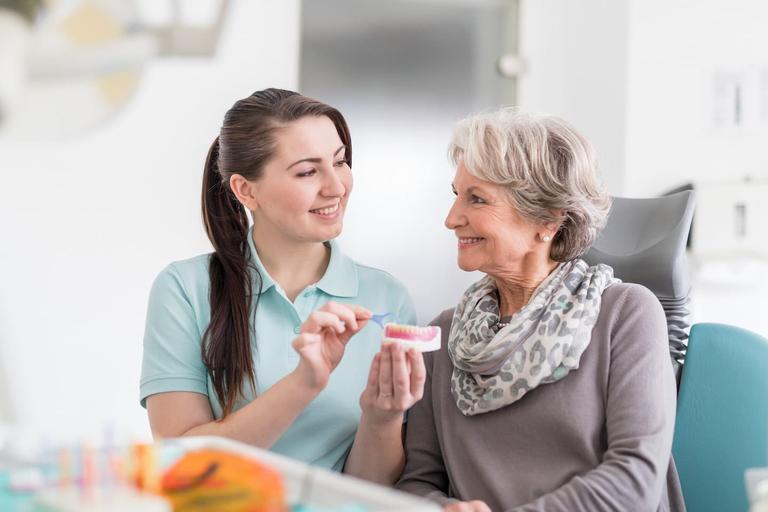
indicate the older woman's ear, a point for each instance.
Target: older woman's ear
{"x":550,"y":229}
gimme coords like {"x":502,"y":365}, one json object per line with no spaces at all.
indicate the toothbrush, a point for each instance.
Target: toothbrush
{"x":381,"y":318}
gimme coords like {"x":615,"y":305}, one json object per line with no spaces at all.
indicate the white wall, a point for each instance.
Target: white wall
{"x":85,"y":225}
{"x":577,"y":69}
{"x":637,"y":77}
{"x":676,"y":49}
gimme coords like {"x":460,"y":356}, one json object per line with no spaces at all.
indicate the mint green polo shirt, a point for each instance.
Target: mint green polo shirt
{"x":179,"y":312}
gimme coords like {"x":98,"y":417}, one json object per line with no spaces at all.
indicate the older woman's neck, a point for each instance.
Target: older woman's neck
{"x":516,"y":286}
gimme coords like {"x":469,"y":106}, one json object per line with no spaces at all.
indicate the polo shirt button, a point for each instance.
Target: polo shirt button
{"x":297,"y":329}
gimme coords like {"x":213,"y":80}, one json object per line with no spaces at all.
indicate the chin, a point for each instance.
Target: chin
{"x":466,"y":266}
{"x":336,"y":231}
{"x":325,"y":235}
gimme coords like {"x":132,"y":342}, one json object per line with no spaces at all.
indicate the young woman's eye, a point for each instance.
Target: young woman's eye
{"x":476,"y":199}
{"x":340,"y":163}
{"x":306,"y":174}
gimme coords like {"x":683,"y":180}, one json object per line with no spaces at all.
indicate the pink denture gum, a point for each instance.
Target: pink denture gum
{"x":423,"y":339}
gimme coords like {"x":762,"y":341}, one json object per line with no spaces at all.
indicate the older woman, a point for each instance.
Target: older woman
{"x":554,"y":389}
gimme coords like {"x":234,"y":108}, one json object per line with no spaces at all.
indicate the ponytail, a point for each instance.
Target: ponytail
{"x":246,"y":142}
{"x":226,"y":341}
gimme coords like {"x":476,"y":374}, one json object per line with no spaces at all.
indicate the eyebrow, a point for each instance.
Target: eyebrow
{"x":470,"y":190}
{"x":316,"y":160}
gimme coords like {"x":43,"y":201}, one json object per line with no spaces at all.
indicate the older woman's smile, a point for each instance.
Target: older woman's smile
{"x":469,"y":241}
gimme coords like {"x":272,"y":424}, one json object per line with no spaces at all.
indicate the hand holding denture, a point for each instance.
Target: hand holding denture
{"x":397,"y":374}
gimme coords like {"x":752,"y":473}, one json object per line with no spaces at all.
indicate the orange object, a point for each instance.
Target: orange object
{"x":208,"y":480}
{"x":144,"y":468}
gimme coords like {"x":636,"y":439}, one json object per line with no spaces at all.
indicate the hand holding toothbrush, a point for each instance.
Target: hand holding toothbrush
{"x":323,"y":338}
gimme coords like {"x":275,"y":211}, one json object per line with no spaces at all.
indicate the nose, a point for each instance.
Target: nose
{"x":333,"y":186}
{"x":455,"y":218}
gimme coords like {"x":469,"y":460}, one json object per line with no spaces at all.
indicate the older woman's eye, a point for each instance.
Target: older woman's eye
{"x":476,"y":199}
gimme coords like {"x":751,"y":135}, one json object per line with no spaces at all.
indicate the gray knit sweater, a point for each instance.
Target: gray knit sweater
{"x":598,"y":439}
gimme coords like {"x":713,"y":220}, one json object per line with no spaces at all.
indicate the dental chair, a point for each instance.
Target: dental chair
{"x":722,"y":416}
{"x":645,"y":241}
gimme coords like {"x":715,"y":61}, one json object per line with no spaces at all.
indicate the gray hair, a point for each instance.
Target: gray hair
{"x":546,"y":166}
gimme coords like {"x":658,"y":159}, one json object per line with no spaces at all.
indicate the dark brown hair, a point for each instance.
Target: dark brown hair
{"x":246,"y":142}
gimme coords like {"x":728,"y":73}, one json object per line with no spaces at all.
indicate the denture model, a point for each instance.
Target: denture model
{"x":423,"y":339}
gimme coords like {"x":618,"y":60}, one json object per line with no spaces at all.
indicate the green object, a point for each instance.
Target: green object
{"x":722,"y":416}
{"x":12,"y":501}
{"x":179,"y":312}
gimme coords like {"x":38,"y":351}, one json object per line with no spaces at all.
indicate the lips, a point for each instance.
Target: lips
{"x":470,"y":240}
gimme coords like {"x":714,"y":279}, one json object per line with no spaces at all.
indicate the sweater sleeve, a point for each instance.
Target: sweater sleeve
{"x":640,"y":414}
{"x":424,"y":473}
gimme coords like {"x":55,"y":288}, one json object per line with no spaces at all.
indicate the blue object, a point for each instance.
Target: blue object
{"x":722,"y":416}
{"x":12,"y":501}
{"x":382,"y":318}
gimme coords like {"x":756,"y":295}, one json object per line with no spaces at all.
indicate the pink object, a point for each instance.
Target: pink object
{"x":423,"y":339}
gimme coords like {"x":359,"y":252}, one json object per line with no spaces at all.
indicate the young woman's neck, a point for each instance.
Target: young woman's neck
{"x":293,"y":265}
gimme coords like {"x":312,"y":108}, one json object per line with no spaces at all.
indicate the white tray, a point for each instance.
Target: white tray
{"x":753,"y":477}
{"x":310,"y":485}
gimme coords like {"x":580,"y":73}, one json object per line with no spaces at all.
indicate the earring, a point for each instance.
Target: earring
{"x":546,"y":238}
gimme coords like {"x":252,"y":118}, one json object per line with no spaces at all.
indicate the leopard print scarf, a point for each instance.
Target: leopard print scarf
{"x":543,"y":342}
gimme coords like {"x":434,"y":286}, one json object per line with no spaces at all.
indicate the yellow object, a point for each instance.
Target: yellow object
{"x":90,"y":24}
{"x":215,"y":480}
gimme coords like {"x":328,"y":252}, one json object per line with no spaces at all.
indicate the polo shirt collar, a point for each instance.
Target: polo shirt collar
{"x":340,"y":278}
{"x":266,"y":280}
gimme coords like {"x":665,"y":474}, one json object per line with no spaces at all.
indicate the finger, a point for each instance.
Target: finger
{"x":401,"y":383}
{"x":319,"y":320}
{"x":305,"y":340}
{"x":372,"y":385}
{"x":418,"y":373}
{"x":361,"y":313}
{"x":345,"y":313}
{"x":385,"y":372}
{"x":479,"y":506}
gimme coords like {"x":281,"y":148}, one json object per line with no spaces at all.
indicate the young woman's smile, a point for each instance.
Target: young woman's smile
{"x":311,"y":179}
{"x":328,"y":213}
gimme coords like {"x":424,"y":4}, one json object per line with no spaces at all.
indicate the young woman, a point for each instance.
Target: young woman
{"x":267,"y":340}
